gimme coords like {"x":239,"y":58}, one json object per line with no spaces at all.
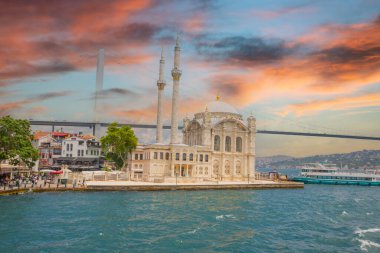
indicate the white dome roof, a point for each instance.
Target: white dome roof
{"x":219,"y":106}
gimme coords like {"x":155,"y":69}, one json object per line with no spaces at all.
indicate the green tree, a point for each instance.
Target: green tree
{"x":16,"y":142}
{"x":118,"y":144}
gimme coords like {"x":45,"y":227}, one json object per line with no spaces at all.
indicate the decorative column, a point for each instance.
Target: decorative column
{"x":176,"y":74}
{"x":206,"y":129}
{"x":251,"y":147}
{"x":160,"y":85}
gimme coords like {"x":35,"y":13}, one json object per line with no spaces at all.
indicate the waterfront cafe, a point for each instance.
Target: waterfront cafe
{"x":9,"y":170}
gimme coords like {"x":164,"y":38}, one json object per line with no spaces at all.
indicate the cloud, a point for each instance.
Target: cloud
{"x":113,"y":92}
{"x":8,"y":108}
{"x":254,"y":69}
{"x":272,"y":14}
{"x":334,"y":104}
{"x":243,"y":50}
{"x":42,"y":39}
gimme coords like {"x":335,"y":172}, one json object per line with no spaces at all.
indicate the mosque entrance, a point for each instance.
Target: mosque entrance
{"x":183,"y":170}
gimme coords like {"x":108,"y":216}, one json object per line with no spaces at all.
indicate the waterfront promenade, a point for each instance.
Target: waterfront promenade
{"x":147,"y":186}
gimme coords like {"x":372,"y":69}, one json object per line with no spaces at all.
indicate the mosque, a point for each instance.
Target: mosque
{"x":217,"y":144}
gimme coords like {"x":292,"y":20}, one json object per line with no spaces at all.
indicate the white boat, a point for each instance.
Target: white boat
{"x":317,"y":173}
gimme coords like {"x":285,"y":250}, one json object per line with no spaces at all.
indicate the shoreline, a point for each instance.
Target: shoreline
{"x":93,"y":186}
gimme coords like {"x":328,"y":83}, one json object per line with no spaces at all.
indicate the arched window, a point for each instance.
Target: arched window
{"x":217,"y":143}
{"x":183,"y":156}
{"x":228,"y":144}
{"x":167,"y":156}
{"x":239,"y":144}
{"x":71,"y":147}
{"x":191,"y":157}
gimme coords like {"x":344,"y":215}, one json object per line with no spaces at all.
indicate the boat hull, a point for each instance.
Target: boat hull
{"x":335,"y":181}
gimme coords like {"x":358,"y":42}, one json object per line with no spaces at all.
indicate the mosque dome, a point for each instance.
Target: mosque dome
{"x":219,"y":106}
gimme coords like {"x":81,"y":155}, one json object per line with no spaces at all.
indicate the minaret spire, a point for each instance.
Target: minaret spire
{"x":160,"y":85}
{"x":176,"y":74}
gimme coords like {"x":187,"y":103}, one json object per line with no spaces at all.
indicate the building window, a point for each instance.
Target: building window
{"x":239,"y":144}
{"x":191,"y":157}
{"x":155,"y":155}
{"x":177,"y":156}
{"x":82,"y":152}
{"x":162,"y":155}
{"x":141,"y":157}
{"x":183,"y":156}
{"x":228,"y":144}
{"x":200,"y":170}
{"x":217,"y":143}
{"x":78,"y":152}
{"x":71,"y":147}
{"x":167,"y":156}
{"x":201,"y":158}
{"x":92,"y":152}
{"x":86,"y":151}
{"x":136,"y":156}
{"x":67,"y":147}
{"x":206,"y":158}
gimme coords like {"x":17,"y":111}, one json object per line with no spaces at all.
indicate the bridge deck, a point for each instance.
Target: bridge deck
{"x":147,"y":126}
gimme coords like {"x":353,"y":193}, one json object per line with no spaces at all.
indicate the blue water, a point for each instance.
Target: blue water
{"x":319,"y":218}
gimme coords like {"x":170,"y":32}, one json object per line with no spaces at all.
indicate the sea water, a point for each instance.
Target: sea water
{"x":318,"y":218}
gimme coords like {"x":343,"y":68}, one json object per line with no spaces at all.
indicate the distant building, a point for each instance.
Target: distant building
{"x":80,"y":153}
{"x":81,"y":146}
{"x":49,"y":145}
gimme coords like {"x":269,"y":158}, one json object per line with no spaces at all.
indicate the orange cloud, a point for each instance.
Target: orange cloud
{"x":340,"y":103}
{"x":339,"y":64}
{"x":40,"y":39}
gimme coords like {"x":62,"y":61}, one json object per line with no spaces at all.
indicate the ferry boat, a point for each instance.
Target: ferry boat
{"x":316,"y":173}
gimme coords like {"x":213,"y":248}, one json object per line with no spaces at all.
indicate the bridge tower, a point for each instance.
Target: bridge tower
{"x":99,"y":88}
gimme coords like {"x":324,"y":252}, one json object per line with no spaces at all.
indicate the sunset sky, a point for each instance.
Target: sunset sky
{"x":310,"y":66}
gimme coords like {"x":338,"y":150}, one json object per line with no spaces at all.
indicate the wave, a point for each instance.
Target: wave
{"x":364,"y":244}
{"x":221,"y":217}
{"x":193,"y":231}
{"x":361,"y":232}
{"x":344,"y":213}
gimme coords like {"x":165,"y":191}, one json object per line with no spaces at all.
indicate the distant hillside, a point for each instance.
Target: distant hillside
{"x":355,"y":160}
{"x":265,"y":161}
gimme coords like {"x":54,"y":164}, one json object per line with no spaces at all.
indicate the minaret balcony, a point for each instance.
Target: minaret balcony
{"x":176,"y":73}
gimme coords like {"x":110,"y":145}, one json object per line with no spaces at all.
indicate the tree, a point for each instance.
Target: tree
{"x":118,"y":144}
{"x":16,"y":142}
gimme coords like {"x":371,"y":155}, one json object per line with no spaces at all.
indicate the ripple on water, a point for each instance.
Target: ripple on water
{"x":316,"y":219}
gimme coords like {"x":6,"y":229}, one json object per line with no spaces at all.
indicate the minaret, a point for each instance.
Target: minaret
{"x":176,"y":74}
{"x":160,"y":85}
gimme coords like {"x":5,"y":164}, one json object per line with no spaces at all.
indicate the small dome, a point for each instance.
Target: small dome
{"x":219,"y":106}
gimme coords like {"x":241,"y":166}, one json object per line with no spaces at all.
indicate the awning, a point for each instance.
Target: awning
{"x":56,"y":172}
{"x":46,"y":171}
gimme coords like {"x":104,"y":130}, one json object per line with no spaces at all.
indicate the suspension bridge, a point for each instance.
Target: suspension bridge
{"x":96,"y":127}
